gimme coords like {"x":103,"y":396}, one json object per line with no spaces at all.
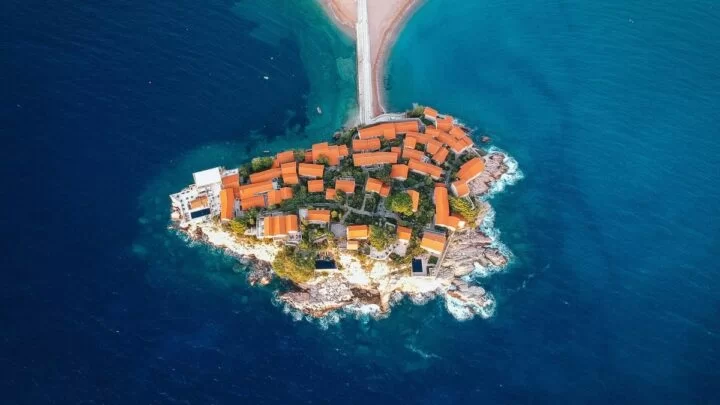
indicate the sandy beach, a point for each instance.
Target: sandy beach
{"x":386,"y":19}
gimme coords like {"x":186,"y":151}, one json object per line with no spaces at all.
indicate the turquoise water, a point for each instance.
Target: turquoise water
{"x":609,"y":109}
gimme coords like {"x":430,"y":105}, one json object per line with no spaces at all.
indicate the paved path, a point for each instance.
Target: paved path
{"x":364,"y":68}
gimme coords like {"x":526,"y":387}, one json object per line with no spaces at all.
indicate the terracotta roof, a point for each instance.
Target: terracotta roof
{"x":346,"y":185}
{"x":425,"y":168}
{"x":471,"y":169}
{"x":373,"y":185}
{"x":433,"y":242}
{"x":404,"y":233}
{"x":366,"y":145}
{"x":284,"y":157}
{"x":265,"y":175}
{"x":249,"y":190}
{"x":232,"y":181}
{"x":410,"y":142}
{"x":385,"y":190}
{"x":318,"y":215}
{"x":330,"y":194}
{"x":445,"y":123}
{"x":280,"y":225}
{"x":374,"y":158}
{"x":407,"y":126}
{"x":358,"y":232}
{"x":227,"y":203}
{"x":430,"y":112}
{"x":331,"y":152}
{"x":257,"y":201}
{"x":460,"y":188}
{"x":415,"y":197}
{"x":199,"y":202}
{"x":385,"y":130}
{"x":316,"y":186}
{"x":409,"y":153}
{"x":440,"y":156}
{"x":310,"y":170}
{"x":275,"y":197}
{"x":399,"y":171}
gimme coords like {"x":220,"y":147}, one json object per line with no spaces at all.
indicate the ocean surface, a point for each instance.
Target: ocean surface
{"x":610,"y":109}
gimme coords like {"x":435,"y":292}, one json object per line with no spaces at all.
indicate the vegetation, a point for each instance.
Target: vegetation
{"x":400,"y":203}
{"x":292,"y":265}
{"x":380,"y":237}
{"x":465,"y":208}
{"x":261,"y":163}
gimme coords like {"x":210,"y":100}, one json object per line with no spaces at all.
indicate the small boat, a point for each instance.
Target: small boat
{"x":318,"y":110}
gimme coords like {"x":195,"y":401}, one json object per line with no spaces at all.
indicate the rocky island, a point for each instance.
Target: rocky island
{"x":384,"y":211}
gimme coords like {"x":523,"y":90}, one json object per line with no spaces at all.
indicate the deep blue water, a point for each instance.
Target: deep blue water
{"x":610,"y":109}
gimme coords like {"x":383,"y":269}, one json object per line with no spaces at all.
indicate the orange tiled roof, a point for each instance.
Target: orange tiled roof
{"x":373,"y":185}
{"x":404,"y":233}
{"x":385,"y":190}
{"x":265,"y":175}
{"x":425,"y":168}
{"x":445,"y":123}
{"x":430,"y":112}
{"x":433,"y":242}
{"x":374,"y":158}
{"x":232,"y":181}
{"x":280,"y":225}
{"x":346,"y":185}
{"x":310,"y":170}
{"x":408,"y":153}
{"x":316,"y":186}
{"x":358,"y":232}
{"x":366,"y":145}
{"x":257,"y":201}
{"x":199,"y":202}
{"x":399,"y":171}
{"x":284,"y":157}
{"x":227,"y":203}
{"x":407,"y":126}
{"x":471,"y":169}
{"x":318,"y":215}
{"x":249,"y":190}
{"x":415,"y":197}
{"x":460,"y":188}
{"x":330,"y":194}
{"x":385,"y":130}
{"x":440,"y":156}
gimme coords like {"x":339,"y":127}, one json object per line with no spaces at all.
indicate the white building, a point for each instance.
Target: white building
{"x":201,"y":201}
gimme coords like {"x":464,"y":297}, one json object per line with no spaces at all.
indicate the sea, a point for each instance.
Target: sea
{"x":609,"y":108}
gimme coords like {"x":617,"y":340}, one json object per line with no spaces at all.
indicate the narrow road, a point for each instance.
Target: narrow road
{"x":364,"y":68}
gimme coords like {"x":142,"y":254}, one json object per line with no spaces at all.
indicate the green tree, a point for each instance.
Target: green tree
{"x":380,"y":238}
{"x":400,"y":203}
{"x":465,"y":208}
{"x":261,"y":163}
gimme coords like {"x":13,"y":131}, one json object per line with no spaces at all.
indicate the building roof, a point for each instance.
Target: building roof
{"x":433,"y":242}
{"x":249,"y":190}
{"x":199,"y":202}
{"x":404,"y":233}
{"x":409,"y":153}
{"x":410,"y":142}
{"x":256,"y":201}
{"x":227,"y":203}
{"x":310,"y":170}
{"x":207,"y":177}
{"x":280,"y":225}
{"x":430,"y":112}
{"x":399,"y":171}
{"x":346,"y":185}
{"x":440,"y":156}
{"x":318,"y":215}
{"x":385,"y":130}
{"x":284,"y":157}
{"x":425,"y":168}
{"x":275,"y":197}
{"x":445,"y":123}
{"x":415,"y":198}
{"x":460,"y":188}
{"x":373,"y":185}
{"x":471,"y":169}
{"x":407,"y":126}
{"x":232,"y":181}
{"x":358,"y":232}
{"x":374,"y":158}
{"x":265,"y":175}
{"x":366,"y":145}
{"x":316,"y":186}
{"x":330,"y":194}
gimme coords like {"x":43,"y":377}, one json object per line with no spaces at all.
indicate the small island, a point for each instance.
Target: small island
{"x":384,"y":211}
